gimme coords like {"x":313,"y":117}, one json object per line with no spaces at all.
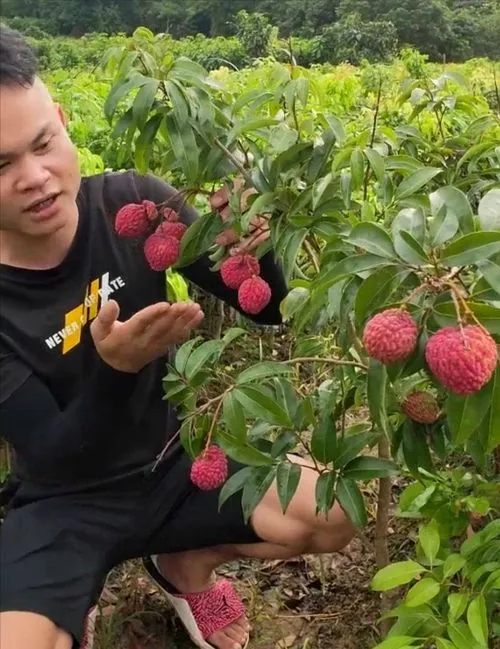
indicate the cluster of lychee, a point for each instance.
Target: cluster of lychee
{"x":162,"y":247}
{"x":462,"y":358}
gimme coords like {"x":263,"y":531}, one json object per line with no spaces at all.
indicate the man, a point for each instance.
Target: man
{"x":84,"y":335}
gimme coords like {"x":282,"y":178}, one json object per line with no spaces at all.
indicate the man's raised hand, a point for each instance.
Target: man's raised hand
{"x":129,"y":346}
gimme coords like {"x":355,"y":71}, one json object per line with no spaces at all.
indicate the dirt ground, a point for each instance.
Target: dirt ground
{"x":308,"y":603}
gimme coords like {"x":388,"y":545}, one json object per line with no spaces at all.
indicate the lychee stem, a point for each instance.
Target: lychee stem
{"x":213,"y":424}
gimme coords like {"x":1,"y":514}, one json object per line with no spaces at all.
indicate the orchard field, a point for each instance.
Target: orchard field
{"x":381,"y":184}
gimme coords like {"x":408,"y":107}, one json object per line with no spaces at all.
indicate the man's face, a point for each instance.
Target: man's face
{"x":38,"y":162}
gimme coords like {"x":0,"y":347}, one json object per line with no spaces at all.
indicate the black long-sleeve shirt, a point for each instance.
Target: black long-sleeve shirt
{"x":72,"y":420}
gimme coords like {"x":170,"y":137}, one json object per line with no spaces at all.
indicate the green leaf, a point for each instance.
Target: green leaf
{"x":489,"y":210}
{"x":179,"y":100}
{"x":397,"y":642}
{"x":461,"y":636}
{"x":456,"y":203}
{"x":120,"y":90}
{"x":453,"y":563}
{"x":357,"y":168}
{"x":201,"y":356}
{"x":396,"y":574}
{"x":416,"y":181}
{"x":430,"y":540}
{"x":234,"y":417}
{"x":351,"y":500}
{"x":259,"y":405}
{"x":491,"y":273}
{"x":235,"y":483}
{"x":255,"y":489}
{"x":144,"y":100}
{"x":372,"y":238}
{"x":413,"y":244}
{"x":294,"y":301}
{"x":242,"y":453}
{"x":376,"y":163}
{"x":422,"y":592}
{"x":457,"y":603}
{"x":472,"y":248}
{"x":349,"y":266}
{"x":261,"y":371}
{"x":489,"y":316}
{"x":465,"y":414}
{"x":412,"y":221}
{"x":325,"y":492}
{"x":377,"y":393}
{"x":199,"y":236}
{"x":367,"y":468}
{"x":263,"y":203}
{"x":183,"y":354}
{"x":477,"y":617}
{"x":183,"y":143}
{"x":375,"y":291}
{"x":443,"y":227}
{"x":442,"y":643}
{"x":324,"y":441}
{"x":350,"y":446}
{"x":249,"y":125}
{"x":415,"y":449}
{"x":287,"y":478}
{"x":494,"y":414}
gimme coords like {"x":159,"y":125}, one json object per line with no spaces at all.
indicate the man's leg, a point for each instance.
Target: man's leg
{"x":284,"y":536}
{"x":20,"y":630}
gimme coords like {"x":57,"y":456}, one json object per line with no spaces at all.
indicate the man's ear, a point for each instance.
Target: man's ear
{"x":62,"y":115}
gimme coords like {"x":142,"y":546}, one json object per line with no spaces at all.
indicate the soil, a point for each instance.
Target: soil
{"x":307,"y":603}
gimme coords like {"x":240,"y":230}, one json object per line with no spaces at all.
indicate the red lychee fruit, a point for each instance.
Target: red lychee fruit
{"x":236,"y":269}
{"x":421,"y":407}
{"x":254,"y":295}
{"x":132,"y":220}
{"x":170,"y":215}
{"x":161,"y":252}
{"x":171,"y":229}
{"x":151,"y":211}
{"x":390,"y":336}
{"x":211,"y":469}
{"x":462,"y":360}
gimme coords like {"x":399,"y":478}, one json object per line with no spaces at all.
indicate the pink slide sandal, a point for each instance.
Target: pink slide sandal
{"x":201,"y":613}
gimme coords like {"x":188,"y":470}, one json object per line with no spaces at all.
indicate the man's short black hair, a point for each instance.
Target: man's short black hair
{"x":18,"y":64}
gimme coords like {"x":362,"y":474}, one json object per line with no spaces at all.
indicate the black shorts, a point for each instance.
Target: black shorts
{"x":55,"y":552}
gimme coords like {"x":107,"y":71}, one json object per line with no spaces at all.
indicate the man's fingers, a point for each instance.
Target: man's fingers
{"x":227,"y":238}
{"x":145,"y":318}
{"x":103,"y":323}
{"x":175,"y":323}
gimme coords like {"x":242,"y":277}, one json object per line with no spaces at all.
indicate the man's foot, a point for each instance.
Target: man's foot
{"x":192,"y":573}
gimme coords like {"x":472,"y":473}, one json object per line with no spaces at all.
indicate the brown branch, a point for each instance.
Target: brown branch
{"x":235,"y":162}
{"x":329,"y":360}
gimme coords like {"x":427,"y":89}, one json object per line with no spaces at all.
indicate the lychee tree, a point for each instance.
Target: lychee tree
{"x":389,"y":238}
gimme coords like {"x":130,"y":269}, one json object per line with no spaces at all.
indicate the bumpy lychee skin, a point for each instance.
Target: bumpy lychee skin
{"x":170,"y":215}
{"x":172,"y":229}
{"x":390,"y":336}
{"x":462,"y":360}
{"x":235,"y":270}
{"x":150,"y":207}
{"x":210,"y":470}
{"x":161,"y":252}
{"x":421,"y":407}
{"x":254,"y":295}
{"x":131,"y":220}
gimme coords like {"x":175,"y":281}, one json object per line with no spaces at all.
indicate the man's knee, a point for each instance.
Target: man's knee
{"x":23,"y":630}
